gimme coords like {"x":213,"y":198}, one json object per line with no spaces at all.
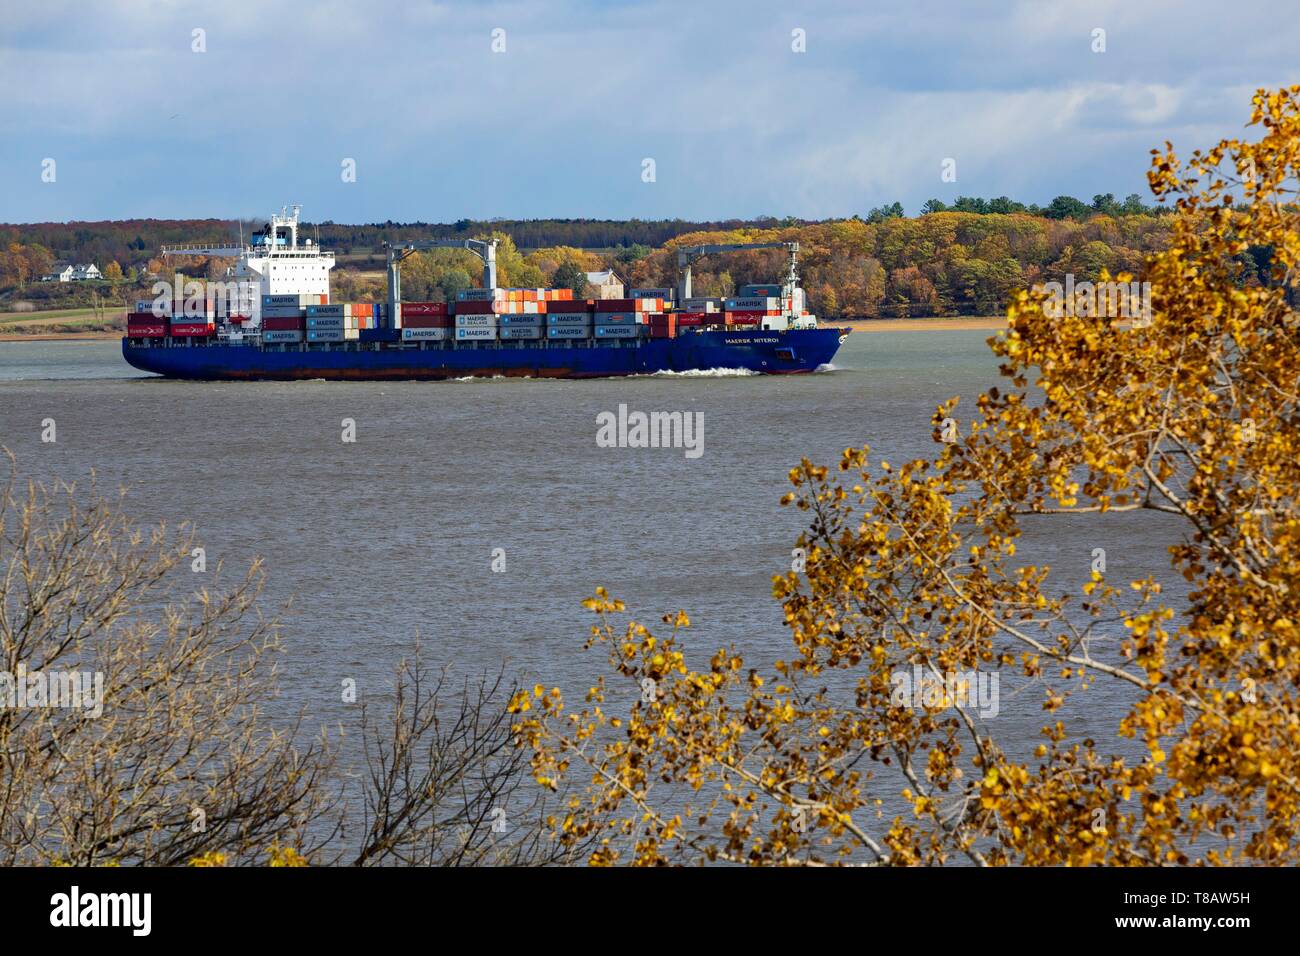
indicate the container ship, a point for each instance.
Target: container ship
{"x":274,"y":320}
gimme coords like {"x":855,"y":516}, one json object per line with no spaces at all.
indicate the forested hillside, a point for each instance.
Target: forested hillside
{"x":962,"y":258}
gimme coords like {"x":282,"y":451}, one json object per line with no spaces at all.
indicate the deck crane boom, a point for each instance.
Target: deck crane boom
{"x":280,"y":236}
{"x":689,"y":254}
{"x":485,"y":249}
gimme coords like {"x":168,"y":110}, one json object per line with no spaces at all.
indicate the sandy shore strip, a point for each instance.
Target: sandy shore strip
{"x":989,"y":323}
{"x":60,"y":336}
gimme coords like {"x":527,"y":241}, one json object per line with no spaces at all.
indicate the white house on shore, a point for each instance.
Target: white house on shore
{"x":67,"y":272}
{"x":605,"y":284}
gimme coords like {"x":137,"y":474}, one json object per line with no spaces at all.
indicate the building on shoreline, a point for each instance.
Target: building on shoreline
{"x":63,"y":271}
{"x":605,"y":285}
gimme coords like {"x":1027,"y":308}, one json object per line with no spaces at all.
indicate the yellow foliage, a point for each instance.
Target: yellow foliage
{"x":1193,"y":412}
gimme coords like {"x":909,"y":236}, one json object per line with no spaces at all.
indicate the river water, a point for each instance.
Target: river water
{"x":392,"y":537}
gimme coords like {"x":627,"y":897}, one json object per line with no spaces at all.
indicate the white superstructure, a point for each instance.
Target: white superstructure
{"x":274,"y":262}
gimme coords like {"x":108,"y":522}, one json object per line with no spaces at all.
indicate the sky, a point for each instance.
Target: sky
{"x":552,"y":108}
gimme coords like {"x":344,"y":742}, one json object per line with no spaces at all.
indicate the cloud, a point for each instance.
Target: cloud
{"x":739,"y":124}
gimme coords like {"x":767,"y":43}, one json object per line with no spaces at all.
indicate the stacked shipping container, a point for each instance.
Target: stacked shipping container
{"x":625,"y":318}
{"x":486,"y":315}
{"x":426,"y":322}
{"x":570,"y":319}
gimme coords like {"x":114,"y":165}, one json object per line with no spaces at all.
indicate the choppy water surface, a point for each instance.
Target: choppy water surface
{"x":392,"y":536}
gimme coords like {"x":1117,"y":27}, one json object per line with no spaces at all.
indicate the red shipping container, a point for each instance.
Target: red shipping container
{"x":144,"y":318}
{"x":663,"y":326}
{"x":427,"y":321}
{"x":284,"y":324}
{"x":196,"y":329}
{"x":424,"y":308}
{"x":698,"y":318}
{"x":629,"y":305}
{"x":742,"y":321}
{"x":480,"y":308}
{"x":143,"y":331}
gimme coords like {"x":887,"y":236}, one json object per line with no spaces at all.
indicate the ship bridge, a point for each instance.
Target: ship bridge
{"x":274,"y":259}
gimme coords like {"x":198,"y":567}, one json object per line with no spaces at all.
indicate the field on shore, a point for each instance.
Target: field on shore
{"x":61,"y":324}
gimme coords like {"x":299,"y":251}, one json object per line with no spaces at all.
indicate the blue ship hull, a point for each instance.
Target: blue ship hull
{"x":796,"y":350}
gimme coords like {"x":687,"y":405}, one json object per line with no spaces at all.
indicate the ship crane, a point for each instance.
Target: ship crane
{"x":689,"y":254}
{"x":202,"y":249}
{"x":279,"y":237}
{"x":485,"y":249}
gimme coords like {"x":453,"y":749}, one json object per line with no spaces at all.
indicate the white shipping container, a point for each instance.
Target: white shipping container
{"x":476,"y":322}
{"x":147,"y":305}
{"x":295,"y":299}
{"x":480,"y":334}
{"x":425,"y":335}
{"x":522,"y":332}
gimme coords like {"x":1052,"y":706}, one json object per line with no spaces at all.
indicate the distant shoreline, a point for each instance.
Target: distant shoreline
{"x":987,"y":323}
{"x":59,"y":336}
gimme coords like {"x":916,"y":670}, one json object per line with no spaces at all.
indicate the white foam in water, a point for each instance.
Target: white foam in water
{"x":707,"y":373}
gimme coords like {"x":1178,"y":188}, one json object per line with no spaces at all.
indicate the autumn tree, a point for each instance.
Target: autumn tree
{"x":134,"y":726}
{"x":20,"y":263}
{"x":570,"y":276}
{"x":164,"y":755}
{"x":513,"y":270}
{"x":1185,"y":417}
